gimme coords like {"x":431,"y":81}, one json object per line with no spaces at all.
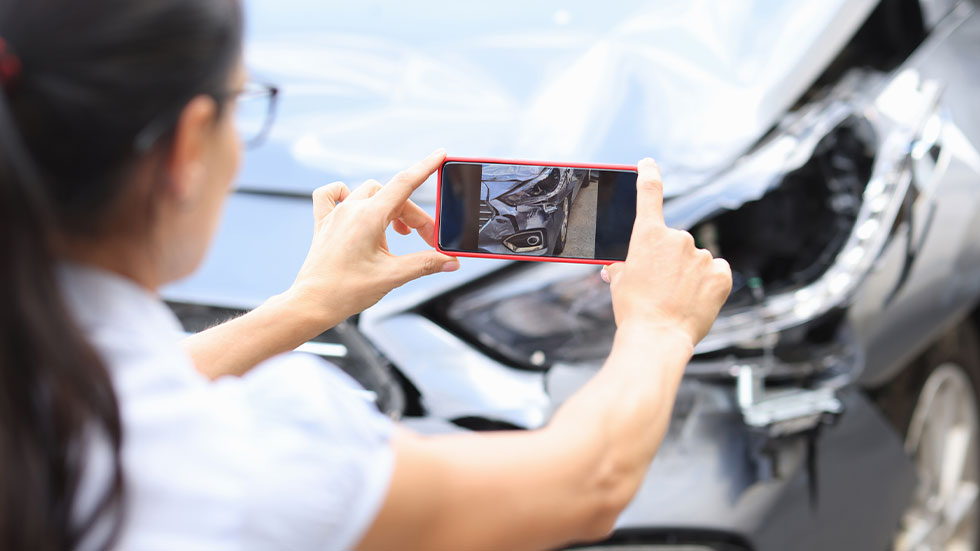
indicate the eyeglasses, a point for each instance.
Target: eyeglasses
{"x":255,"y":111}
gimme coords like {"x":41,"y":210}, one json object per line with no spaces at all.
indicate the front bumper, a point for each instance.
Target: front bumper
{"x":509,"y":221}
{"x":841,"y":487}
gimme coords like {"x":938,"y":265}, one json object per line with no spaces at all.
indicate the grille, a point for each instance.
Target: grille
{"x":486,"y":213}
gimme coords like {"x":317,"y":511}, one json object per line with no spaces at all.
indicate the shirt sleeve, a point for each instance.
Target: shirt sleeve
{"x":323,"y":457}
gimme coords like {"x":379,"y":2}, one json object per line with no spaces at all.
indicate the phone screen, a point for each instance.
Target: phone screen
{"x":545,"y":211}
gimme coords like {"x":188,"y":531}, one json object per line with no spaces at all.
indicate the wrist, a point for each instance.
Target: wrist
{"x":298,"y":312}
{"x":657,"y":333}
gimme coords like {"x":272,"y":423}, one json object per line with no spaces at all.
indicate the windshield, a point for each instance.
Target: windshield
{"x":369,"y":87}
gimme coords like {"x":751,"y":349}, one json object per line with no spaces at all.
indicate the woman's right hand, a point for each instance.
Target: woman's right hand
{"x":554,"y":485}
{"x":665,"y":281}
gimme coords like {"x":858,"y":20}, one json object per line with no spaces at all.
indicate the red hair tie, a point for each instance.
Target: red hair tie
{"x":9,"y":66}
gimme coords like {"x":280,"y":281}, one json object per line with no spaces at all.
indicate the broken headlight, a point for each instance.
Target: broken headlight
{"x":541,"y":189}
{"x":535,"y":317}
{"x":801,"y":219}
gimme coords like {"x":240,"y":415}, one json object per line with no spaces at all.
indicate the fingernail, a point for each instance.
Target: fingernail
{"x":436,"y":153}
{"x":604,"y":275}
{"x":450,"y":266}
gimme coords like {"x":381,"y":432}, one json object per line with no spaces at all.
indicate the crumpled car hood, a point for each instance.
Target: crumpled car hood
{"x":370,"y":87}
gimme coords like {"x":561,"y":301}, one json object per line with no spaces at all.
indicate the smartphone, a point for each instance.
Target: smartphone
{"x":528,"y":210}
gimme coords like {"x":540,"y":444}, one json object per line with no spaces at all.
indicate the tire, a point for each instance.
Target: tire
{"x":563,"y":231}
{"x":588,"y":179}
{"x":935,"y":404}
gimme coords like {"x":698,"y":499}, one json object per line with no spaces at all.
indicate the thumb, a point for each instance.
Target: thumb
{"x":416,"y":265}
{"x":649,"y":193}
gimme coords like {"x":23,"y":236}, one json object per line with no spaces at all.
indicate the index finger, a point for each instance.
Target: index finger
{"x":400,"y":188}
{"x":649,"y":193}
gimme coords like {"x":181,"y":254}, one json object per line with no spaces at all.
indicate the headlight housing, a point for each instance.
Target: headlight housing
{"x":801,"y":219}
{"x":562,"y":313}
{"x":539,"y":190}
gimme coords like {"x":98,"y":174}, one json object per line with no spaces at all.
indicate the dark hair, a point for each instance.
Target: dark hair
{"x":99,"y":88}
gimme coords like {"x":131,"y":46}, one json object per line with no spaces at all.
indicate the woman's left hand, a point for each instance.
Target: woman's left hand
{"x":349,"y":267}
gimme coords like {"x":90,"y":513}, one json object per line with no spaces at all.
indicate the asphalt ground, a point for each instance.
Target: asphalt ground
{"x":581,"y":224}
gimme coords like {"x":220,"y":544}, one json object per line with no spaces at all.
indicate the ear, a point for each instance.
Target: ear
{"x":192,"y":135}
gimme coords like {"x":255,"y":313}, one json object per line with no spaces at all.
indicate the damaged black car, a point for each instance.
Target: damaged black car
{"x":526,"y":209}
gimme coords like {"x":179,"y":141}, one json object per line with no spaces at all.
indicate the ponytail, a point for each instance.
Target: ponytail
{"x":56,"y":397}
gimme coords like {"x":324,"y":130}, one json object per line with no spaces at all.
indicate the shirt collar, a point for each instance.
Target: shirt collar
{"x":98,"y":298}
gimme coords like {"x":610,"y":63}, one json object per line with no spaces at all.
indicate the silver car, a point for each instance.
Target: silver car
{"x":828,"y":149}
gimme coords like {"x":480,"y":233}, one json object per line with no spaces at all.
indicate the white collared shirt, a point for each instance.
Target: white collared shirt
{"x":289,"y":456}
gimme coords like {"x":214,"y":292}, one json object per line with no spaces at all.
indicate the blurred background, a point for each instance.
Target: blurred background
{"x":828,"y":150}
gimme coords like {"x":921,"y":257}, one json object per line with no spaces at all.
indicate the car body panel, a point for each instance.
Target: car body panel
{"x":342,"y":87}
{"x":897,"y":318}
{"x":444,"y":368}
{"x":775,"y":501}
{"x":863,"y":482}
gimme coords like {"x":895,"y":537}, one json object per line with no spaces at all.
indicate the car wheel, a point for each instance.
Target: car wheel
{"x":563,"y":231}
{"x":942,"y":436}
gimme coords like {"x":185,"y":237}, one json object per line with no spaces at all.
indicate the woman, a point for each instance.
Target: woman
{"x":117,"y":148}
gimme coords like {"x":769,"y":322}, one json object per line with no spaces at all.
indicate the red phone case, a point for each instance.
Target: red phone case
{"x":517,"y":256}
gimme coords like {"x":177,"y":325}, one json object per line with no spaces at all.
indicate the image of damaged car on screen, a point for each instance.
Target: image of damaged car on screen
{"x":529,"y":210}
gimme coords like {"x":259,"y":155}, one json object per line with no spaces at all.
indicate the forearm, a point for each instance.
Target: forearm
{"x":571,"y":479}
{"x":279,"y":325}
{"x":617,"y":421}
{"x":565,"y":482}
{"x":457,"y":491}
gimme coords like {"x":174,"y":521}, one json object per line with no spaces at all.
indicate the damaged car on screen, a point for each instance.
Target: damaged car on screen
{"x":525,"y":209}
{"x":828,"y":150}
